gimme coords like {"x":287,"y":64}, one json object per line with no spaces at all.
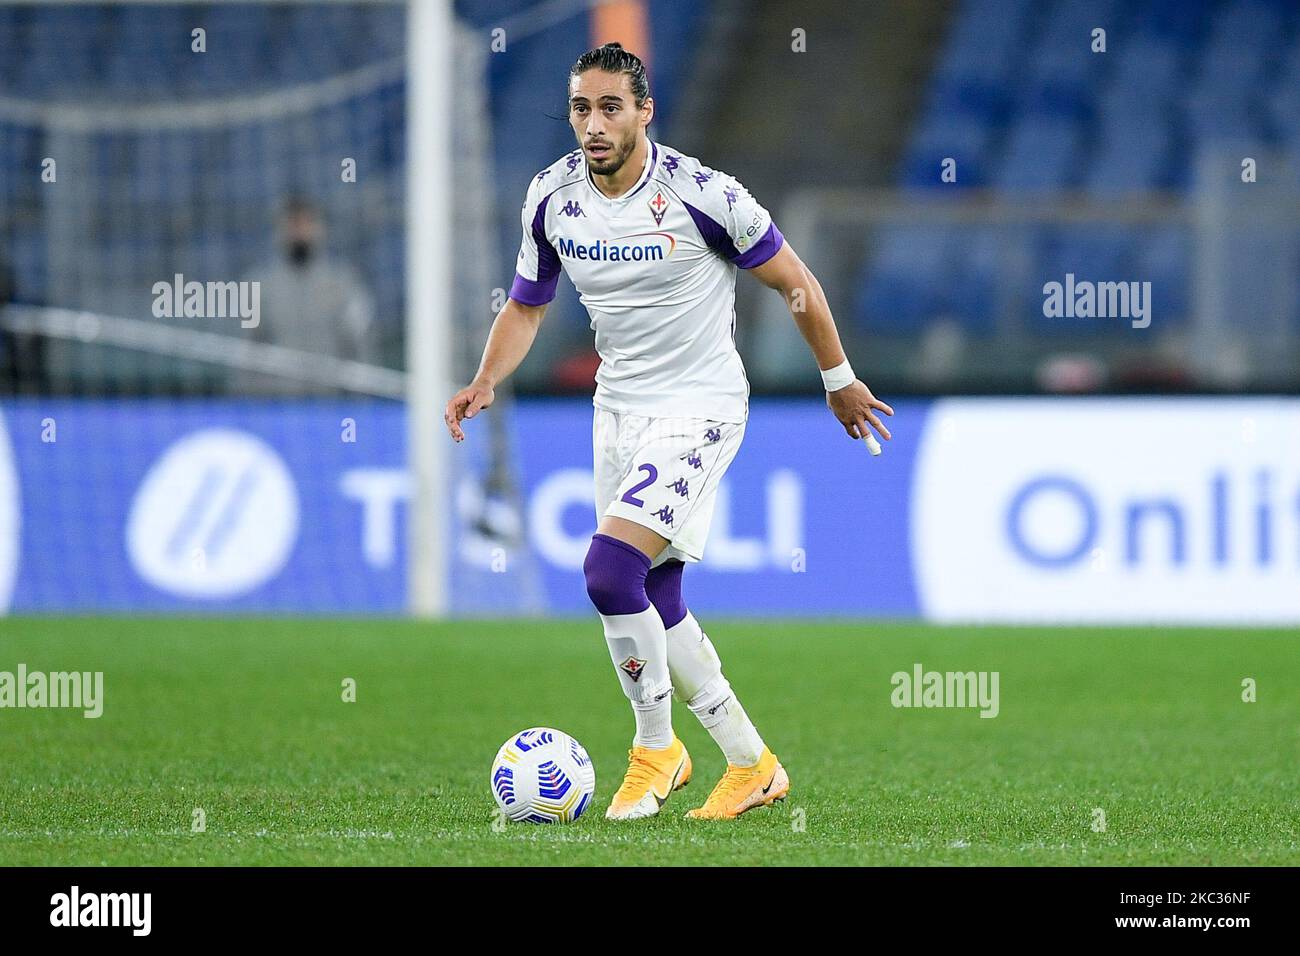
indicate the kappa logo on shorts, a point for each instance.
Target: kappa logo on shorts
{"x":633,"y":668}
{"x":693,"y":459}
{"x":681,"y":486}
{"x":665,"y":514}
{"x":713,"y":435}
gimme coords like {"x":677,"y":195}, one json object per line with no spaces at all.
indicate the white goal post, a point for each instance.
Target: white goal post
{"x":429,"y":335}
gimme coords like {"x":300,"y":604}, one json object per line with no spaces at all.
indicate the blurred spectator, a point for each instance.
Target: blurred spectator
{"x":309,"y":302}
{"x":942,"y":354}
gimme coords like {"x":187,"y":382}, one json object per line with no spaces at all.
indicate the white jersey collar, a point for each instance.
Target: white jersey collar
{"x":652,"y":156}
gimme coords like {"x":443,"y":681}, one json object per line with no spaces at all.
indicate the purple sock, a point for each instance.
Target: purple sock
{"x":663,"y":585}
{"x":616,"y":576}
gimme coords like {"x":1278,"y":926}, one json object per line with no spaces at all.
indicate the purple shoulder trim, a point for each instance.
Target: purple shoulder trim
{"x":541,"y":290}
{"x":715,"y":234}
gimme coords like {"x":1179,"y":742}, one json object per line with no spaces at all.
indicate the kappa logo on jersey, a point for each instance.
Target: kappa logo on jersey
{"x":730,"y":193}
{"x":633,"y":668}
{"x":572,"y":209}
{"x":701,"y":178}
{"x":658,"y":206}
{"x":671,"y":163}
{"x":573,"y":159}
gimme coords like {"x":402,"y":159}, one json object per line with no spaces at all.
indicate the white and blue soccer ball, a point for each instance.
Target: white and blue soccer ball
{"x":543,"y":776}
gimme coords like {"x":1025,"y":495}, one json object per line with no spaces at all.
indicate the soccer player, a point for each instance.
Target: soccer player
{"x":652,"y":239}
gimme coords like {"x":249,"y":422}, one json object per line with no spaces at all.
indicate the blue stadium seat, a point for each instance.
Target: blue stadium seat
{"x":1224,"y":116}
{"x":1165,"y":259}
{"x":1130,"y":159}
{"x":983,"y":263}
{"x":151,"y":47}
{"x":987,"y":39}
{"x":1052,"y":98}
{"x":964,"y":140}
{"x":1042,"y":155}
{"x":970,"y":97}
{"x":907,"y":281}
{"x":18,"y":150}
{"x":1065,"y":37}
{"x":1090,"y":252}
{"x":1283,"y":114}
{"x":27,"y":258}
{"x":1177,"y":21}
{"x":1148,"y":68}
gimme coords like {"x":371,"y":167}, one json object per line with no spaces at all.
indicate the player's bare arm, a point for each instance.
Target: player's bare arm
{"x":512,"y":335}
{"x":853,"y":405}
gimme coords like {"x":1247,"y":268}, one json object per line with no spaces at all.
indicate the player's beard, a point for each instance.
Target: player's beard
{"x":614,"y":162}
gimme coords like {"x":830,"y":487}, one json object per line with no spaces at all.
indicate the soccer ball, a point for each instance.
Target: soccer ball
{"x":542,"y":776}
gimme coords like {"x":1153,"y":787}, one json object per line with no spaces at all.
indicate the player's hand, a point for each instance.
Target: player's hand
{"x":856,"y":408}
{"x":467,"y":403}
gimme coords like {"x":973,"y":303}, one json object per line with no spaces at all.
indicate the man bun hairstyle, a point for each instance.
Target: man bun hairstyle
{"x":612,"y":58}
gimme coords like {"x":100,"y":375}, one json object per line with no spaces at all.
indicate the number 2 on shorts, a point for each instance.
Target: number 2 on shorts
{"x":652,"y":473}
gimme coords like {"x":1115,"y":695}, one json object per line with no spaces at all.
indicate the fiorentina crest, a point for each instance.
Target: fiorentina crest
{"x":632,"y":668}
{"x":658,"y":206}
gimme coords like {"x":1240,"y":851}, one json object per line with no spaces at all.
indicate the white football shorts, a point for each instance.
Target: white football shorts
{"x":663,"y":473}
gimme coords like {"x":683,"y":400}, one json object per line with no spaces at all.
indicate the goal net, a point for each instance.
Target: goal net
{"x":203,"y":315}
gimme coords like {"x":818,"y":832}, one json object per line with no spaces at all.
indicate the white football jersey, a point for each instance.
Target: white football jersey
{"x":656,"y":269}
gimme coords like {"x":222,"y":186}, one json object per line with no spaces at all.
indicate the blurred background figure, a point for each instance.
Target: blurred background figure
{"x":310,"y":302}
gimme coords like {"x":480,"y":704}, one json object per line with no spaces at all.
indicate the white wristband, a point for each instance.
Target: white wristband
{"x":838,"y":377}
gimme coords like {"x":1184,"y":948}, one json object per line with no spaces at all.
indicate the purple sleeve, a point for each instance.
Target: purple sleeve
{"x":718,"y":239}
{"x":530,"y":292}
{"x":761,"y":251}
{"x":538,"y":256}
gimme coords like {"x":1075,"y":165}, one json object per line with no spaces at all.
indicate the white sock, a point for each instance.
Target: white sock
{"x":728,"y":724}
{"x":698,"y":682}
{"x":638,"y":647}
{"x":654,"y":723}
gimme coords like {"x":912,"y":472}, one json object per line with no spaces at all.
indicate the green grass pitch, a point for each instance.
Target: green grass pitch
{"x":244,"y":719}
